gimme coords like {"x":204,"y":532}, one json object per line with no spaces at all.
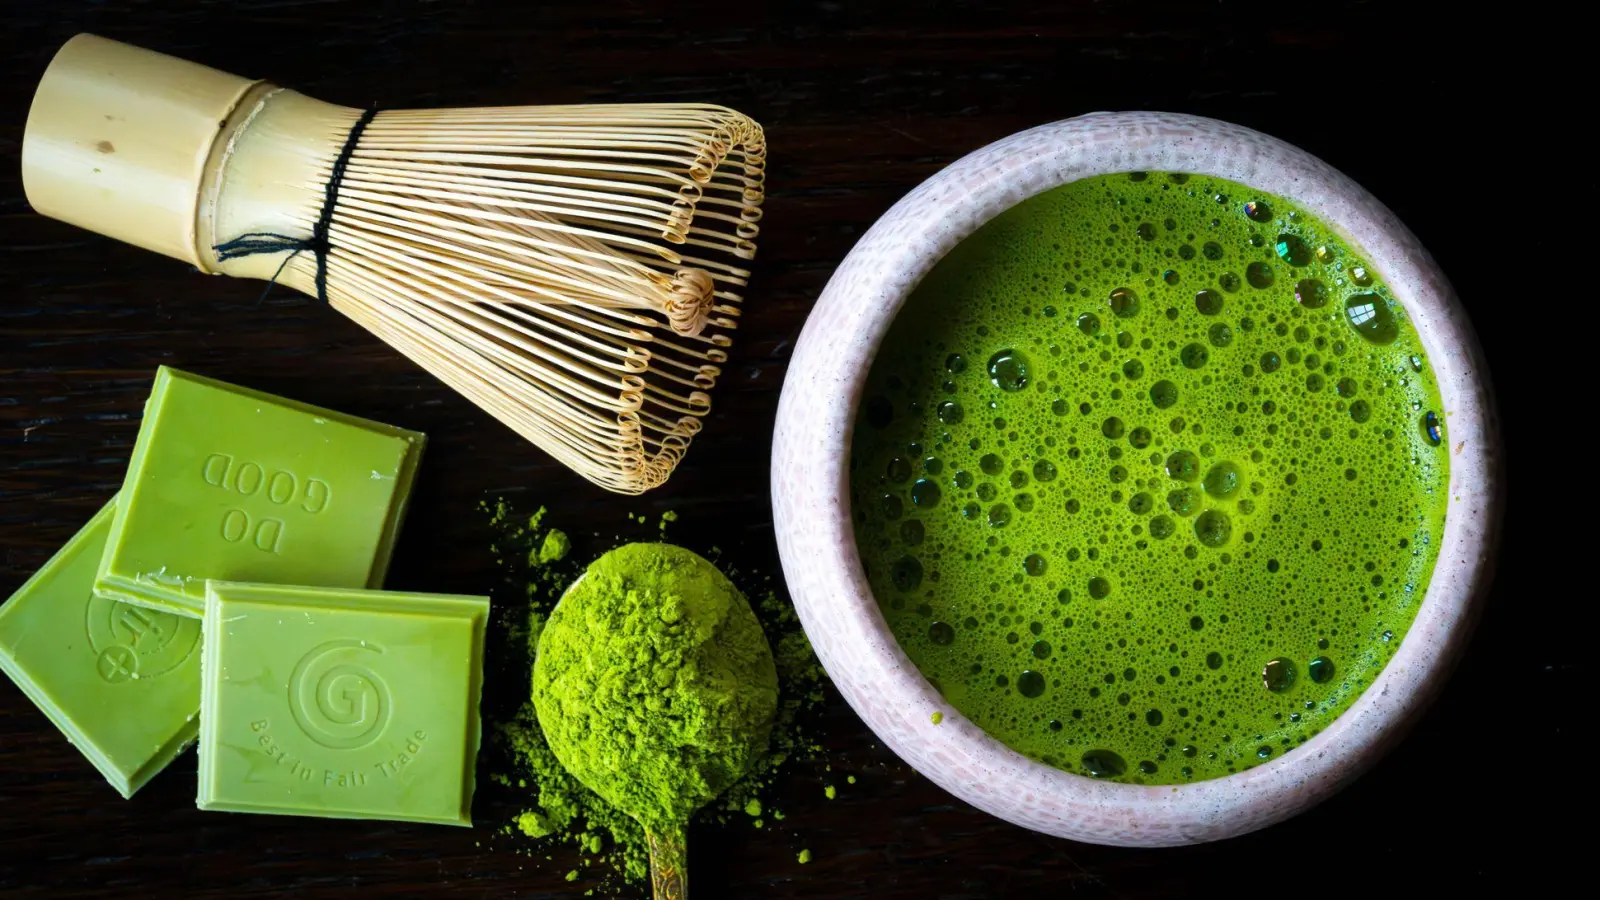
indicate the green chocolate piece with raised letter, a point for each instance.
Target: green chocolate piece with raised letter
{"x":340,"y":703}
{"x":121,"y":682}
{"x":233,"y":484}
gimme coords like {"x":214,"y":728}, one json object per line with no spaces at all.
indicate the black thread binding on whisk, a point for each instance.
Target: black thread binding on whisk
{"x":255,"y":242}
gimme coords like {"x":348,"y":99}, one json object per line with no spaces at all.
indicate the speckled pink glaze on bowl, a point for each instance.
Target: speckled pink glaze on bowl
{"x":811,"y":506}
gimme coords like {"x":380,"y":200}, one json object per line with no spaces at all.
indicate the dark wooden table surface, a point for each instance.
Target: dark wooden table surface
{"x":860,"y":105}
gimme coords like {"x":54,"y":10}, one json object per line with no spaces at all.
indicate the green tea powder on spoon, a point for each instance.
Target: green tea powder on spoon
{"x":654,"y":684}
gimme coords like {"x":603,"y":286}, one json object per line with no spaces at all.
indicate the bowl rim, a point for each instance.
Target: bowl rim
{"x":810,"y":483}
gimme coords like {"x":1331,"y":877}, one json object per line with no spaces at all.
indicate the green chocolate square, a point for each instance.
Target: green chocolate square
{"x":340,"y":703}
{"x":237,"y":485}
{"x":121,"y":682}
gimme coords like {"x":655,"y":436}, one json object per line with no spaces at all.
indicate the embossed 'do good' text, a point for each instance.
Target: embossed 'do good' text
{"x":234,"y":484}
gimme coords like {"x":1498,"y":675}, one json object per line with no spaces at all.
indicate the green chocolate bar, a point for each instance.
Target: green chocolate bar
{"x":121,"y":682}
{"x":340,"y":703}
{"x":234,"y":484}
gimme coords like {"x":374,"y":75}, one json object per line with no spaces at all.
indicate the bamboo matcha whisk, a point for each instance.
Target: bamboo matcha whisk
{"x":575,"y":271}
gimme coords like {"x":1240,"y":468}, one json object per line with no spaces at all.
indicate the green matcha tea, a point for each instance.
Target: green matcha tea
{"x":1150,"y":477}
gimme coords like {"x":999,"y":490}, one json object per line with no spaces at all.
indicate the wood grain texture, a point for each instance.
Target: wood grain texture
{"x":861,"y":102}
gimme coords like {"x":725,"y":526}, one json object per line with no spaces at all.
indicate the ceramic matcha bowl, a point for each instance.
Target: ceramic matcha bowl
{"x":810,"y":484}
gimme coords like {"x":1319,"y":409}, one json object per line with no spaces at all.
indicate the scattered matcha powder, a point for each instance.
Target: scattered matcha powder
{"x":567,"y":811}
{"x":555,"y":547}
{"x":535,"y":824}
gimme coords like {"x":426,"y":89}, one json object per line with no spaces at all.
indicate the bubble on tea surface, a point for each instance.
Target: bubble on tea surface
{"x":1124,"y":303}
{"x":1163,"y":394}
{"x":1371,"y":317}
{"x":1293,"y":250}
{"x":1278,"y":674}
{"x":1320,"y":670}
{"x":1310,"y":293}
{"x":1030,"y":684}
{"x":912,"y":532}
{"x":1222,"y":480}
{"x":1102,"y":764}
{"x":892,"y":506}
{"x":1183,"y":501}
{"x":898,"y":470}
{"x":1008,"y":371}
{"x":880,"y":412}
{"x":906,"y":573}
{"x":1432,"y":428}
{"x":1183,"y":465}
{"x":1212,"y":528}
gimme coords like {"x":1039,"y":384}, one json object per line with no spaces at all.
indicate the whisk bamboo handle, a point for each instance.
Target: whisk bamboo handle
{"x":119,"y":140}
{"x":171,"y":155}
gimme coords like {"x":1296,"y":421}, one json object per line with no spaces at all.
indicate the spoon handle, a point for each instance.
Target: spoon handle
{"x":669,"y":864}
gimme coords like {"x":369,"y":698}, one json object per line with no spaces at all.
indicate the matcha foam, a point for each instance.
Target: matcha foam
{"x":1150,"y":475}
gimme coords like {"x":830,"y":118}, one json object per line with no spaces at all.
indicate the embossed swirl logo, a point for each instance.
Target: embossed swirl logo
{"x":131,"y":642}
{"x":336,"y":699}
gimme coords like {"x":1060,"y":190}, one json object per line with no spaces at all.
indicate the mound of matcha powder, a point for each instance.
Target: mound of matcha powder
{"x":654,"y":683}
{"x":560,"y":812}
